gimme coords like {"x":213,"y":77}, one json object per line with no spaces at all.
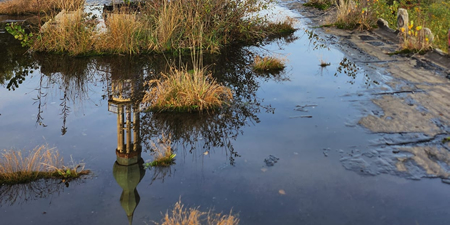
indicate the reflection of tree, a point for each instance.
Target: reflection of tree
{"x":22,"y":193}
{"x":15,"y":64}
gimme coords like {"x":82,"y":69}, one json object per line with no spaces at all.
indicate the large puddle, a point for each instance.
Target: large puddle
{"x":306,"y":116}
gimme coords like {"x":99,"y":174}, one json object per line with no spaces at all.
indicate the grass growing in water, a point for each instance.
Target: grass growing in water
{"x":21,"y":7}
{"x":162,"y":153}
{"x":41,"y":162}
{"x":180,"y":215}
{"x":268,"y":64}
{"x":162,"y":26}
{"x":186,"y":91}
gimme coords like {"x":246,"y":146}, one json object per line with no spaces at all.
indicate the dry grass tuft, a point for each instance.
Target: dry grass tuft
{"x":359,"y":15}
{"x":192,"y":216}
{"x":186,"y":91}
{"x":20,"y":7}
{"x":123,"y":34}
{"x":268,"y":64}
{"x":72,"y":34}
{"x":41,"y":162}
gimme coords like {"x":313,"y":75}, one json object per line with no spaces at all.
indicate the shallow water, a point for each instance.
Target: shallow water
{"x":306,"y":116}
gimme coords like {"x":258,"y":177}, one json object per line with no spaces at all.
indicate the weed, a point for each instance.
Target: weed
{"x":71,"y":33}
{"x":359,"y":15}
{"x":41,"y":162}
{"x":186,"y":91}
{"x":161,"y":26}
{"x":414,"y":40}
{"x":268,"y":64}
{"x":162,"y":153}
{"x":193,"y":216}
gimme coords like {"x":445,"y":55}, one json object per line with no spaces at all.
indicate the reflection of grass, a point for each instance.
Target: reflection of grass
{"x":41,"y":162}
{"x":268,"y":64}
{"x":186,"y":91}
{"x":192,"y":216}
{"x":162,"y":153}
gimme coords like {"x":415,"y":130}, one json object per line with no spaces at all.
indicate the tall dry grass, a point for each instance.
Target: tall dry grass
{"x":181,"y":215}
{"x":162,"y":152}
{"x":160,"y":26}
{"x":20,"y":7}
{"x":268,"y":64}
{"x":123,"y":34}
{"x":359,"y":14}
{"x":186,"y":91}
{"x":71,"y":33}
{"x":41,"y":162}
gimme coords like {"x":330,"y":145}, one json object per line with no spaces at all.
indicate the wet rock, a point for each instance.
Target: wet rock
{"x":271,"y":160}
{"x":382,"y":23}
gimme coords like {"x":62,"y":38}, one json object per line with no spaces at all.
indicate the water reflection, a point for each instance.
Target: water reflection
{"x":23,"y":193}
{"x":128,"y":169}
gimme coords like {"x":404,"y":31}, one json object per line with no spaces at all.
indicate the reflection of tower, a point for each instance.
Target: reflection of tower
{"x":128,"y":169}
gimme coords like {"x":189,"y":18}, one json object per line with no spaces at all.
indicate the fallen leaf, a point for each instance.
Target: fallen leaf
{"x":282,"y":192}
{"x":264,"y":169}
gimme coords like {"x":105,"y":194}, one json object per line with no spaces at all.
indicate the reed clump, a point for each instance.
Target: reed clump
{"x":22,"y":7}
{"x":180,"y":215}
{"x":41,"y":162}
{"x":70,"y":32}
{"x":186,"y":91}
{"x":268,"y":64}
{"x":160,"y":26}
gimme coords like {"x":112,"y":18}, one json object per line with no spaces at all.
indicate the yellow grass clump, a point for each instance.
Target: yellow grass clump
{"x":192,"y":216}
{"x":268,"y":64}
{"x":69,"y":33}
{"x":41,"y":162}
{"x":20,"y":7}
{"x":186,"y":91}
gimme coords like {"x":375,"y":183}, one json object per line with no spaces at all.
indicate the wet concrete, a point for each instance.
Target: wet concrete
{"x":414,"y":103}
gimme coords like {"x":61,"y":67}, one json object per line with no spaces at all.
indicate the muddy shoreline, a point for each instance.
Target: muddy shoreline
{"x":410,"y":108}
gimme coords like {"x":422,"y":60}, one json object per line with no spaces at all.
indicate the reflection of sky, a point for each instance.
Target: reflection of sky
{"x":315,"y":185}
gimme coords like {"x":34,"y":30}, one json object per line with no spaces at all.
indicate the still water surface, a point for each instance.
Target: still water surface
{"x":306,"y":116}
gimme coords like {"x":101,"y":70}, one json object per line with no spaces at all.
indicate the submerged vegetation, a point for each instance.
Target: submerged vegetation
{"x":41,"y":162}
{"x":180,"y":215}
{"x":157,"y":26}
{"x":186,"y":91}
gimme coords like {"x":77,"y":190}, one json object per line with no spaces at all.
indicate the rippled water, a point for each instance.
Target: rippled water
{"x":306,"y":116}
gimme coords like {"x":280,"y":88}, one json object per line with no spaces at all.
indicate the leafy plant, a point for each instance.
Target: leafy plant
{"x":19,"y":33}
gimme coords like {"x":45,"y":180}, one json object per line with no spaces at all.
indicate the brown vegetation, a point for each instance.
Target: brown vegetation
{"x":20,"y":7}
{"x":268,"y":64}
{"x":192,"y":216}
{"x":41,"y":162}
{"x":186,"y":91}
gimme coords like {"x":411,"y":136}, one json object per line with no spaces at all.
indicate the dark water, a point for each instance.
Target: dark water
{"x":63,"y":102}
